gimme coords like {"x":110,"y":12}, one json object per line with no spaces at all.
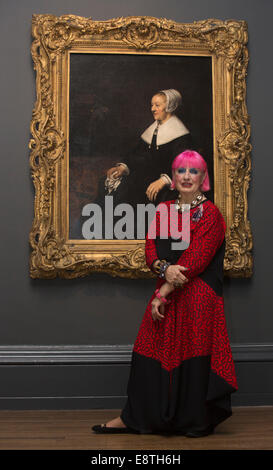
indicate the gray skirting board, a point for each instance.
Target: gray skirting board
{"x":93,"y":377}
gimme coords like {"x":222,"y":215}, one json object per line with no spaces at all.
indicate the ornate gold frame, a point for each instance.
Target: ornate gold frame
{"x":53,"y":254}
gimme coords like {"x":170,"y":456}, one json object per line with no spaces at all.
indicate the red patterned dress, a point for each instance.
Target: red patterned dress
{"x":182,"y":371}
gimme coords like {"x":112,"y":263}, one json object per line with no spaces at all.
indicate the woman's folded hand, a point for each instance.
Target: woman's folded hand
{"x":115,"y":172}
{"x":174,"y":275}
{"x":158,"y":309}
{"x":154,"y":188}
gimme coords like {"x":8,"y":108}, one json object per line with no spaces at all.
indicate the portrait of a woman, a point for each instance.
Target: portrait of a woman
{"x":144,"y":175}
{"x":129,"y":117}
{"x":182,"y":371}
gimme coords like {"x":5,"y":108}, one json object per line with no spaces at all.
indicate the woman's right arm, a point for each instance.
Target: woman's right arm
{"x":173,"y":273}
{"x":150,"y":252}
{"x":150,"y":246}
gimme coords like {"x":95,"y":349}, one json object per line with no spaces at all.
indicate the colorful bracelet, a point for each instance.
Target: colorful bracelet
{"x":157,"y":294}
{"x":154,"y":268}
{"x":163,"y":268}
{"x":160,"y":269}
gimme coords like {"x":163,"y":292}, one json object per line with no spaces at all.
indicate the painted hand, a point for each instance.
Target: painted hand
{"x":154,"y":188}
{"x":115,"y":172}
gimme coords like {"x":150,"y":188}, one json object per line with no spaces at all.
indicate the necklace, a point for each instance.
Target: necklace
{"x":193,"y":203}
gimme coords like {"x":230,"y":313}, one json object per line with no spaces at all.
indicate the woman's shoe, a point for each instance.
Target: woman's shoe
{"x":206,"y":432}
{"x":103,"y":429}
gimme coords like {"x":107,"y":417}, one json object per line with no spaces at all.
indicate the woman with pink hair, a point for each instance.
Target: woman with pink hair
{"x":182,"y":371}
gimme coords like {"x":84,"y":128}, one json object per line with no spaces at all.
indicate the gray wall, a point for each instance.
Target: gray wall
{"x":54,"y":332}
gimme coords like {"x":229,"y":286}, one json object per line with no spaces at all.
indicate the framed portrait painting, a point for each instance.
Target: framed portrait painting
{"x":95,"y":86}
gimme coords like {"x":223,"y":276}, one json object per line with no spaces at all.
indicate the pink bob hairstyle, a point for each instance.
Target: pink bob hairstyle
{"x":194,"y":160}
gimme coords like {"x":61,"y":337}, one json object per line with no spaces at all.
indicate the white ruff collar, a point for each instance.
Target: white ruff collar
{"x":168,"y":131}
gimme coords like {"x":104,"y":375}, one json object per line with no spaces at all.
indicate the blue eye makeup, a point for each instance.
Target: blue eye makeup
{"x":181,"y":170}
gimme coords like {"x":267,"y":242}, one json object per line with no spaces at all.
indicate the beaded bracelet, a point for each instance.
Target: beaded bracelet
{"x":163,"y":268}
{"x":160,"y":297}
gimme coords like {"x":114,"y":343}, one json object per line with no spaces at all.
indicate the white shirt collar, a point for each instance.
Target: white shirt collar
{"x":168,"y":131}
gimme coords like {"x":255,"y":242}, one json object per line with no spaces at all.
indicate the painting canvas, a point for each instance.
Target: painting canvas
{"x":110,"y":107}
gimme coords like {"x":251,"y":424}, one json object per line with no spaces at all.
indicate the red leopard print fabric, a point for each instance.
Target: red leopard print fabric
{"x":194,"y":323}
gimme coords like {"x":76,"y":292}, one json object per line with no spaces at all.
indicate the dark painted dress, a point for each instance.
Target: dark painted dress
{"x":150,"y":156}
{"x":146,"y":161}
{"x":182,"y":372}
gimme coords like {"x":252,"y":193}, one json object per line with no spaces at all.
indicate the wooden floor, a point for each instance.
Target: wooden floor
{"x":247,"y":428}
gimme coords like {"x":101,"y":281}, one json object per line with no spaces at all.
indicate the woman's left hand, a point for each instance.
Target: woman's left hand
{"x":154,"y":188}
{"x":158,"y":309}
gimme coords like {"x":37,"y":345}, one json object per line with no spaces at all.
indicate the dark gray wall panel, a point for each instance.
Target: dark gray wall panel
{"x":101,"y":310}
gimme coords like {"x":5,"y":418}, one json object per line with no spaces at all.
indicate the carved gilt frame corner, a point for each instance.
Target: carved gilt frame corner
{"x":53,"y":254}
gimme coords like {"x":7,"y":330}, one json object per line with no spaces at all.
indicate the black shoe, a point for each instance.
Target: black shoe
{"x":103,"y":429}
{"x":206,"y":432}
